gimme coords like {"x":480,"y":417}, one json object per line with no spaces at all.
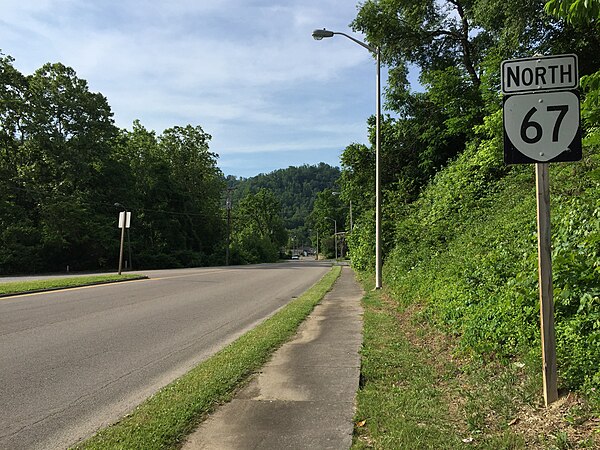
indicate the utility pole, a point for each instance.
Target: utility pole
{"x":228,"y":206}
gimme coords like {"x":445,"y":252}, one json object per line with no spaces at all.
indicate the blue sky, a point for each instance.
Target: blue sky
{"x":247,"y":71}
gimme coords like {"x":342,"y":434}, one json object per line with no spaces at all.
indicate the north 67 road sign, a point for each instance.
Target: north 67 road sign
{"x":541,"y":122}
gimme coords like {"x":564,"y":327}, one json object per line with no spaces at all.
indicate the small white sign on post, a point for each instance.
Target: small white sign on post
{"x":125,"y":219}
{"x":124,"y":222}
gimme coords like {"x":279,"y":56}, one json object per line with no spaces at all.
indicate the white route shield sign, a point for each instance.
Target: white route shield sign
{"x":542,"y":127}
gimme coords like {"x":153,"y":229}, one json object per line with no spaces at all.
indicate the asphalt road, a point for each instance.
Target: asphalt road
{"x":73,"y":361}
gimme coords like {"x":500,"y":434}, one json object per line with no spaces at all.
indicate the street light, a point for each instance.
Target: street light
{"x":334,"y":235}
{"x":324,"y":33}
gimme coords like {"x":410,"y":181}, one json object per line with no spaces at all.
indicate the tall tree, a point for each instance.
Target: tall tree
{"x":259,"y":230}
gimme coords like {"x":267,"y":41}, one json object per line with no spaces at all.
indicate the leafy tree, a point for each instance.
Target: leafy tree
{"x":259,"y":230}
{"x":328,"y":207}
{"x":17,"y":231}
{"x":457,"y":45}
{"x":56,"y":144}
{"x":586,"y":15}
{"x":434,"y":35}
{"x":64,"y":165}
{"x":176,"y":201}
{"x":575,"y":11}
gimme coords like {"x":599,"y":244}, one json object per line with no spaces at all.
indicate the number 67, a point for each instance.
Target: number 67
{"x":528,"y":124}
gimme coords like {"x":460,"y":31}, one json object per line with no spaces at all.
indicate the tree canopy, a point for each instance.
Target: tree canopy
{"x":64,"y":165}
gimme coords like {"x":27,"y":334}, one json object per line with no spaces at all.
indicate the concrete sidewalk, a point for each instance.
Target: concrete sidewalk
{"x":304,"y":397}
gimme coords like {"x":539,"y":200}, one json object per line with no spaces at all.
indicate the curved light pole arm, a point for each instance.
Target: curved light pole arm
{"x":361,"y":43}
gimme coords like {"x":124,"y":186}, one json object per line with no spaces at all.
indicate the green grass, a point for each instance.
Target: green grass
{"x":418,"y":391}
{"x":20,"y":287}
{"x":400,"y":399}
{"x":166,"y":418}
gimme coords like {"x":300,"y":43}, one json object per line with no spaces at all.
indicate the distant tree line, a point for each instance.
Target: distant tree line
{"x":292,"y":191}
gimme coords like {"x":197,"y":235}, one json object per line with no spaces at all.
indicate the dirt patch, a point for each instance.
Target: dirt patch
{"x":566,"y":423}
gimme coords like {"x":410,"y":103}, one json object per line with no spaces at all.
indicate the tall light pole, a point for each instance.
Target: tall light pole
{"x":318,"y":35}
{"x":334,"y":235}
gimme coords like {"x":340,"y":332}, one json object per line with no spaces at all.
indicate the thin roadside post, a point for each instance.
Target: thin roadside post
{"x":122,"y":219}
{"x":545,"y":281}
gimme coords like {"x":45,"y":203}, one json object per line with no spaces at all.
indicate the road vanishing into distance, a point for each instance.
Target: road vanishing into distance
{"x":75,"y":360}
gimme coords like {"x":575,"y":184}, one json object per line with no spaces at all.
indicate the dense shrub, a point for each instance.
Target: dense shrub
{"x":468,"y":249}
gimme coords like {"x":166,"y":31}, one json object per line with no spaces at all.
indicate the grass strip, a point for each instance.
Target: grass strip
{"x":399,"y":404}
{"x":21,"y":287}
{"x":418,"y":392}
{"x":166,"y":418}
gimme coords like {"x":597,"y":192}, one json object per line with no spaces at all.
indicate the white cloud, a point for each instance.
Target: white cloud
{"x":239,"y":68}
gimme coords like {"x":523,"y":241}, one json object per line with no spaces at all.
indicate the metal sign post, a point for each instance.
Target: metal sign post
{"x":124,"y":222}
{"x":542,"y":125}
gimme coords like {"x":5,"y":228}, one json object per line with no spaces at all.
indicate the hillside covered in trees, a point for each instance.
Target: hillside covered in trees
{"x":294,"y":191}
{"x":459,"y":225}
{"x":295,"y":187}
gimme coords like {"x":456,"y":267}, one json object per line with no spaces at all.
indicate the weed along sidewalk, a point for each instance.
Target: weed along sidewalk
{"x":304,"y":396}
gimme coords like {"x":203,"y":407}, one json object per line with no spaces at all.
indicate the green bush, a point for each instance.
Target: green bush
{"x":468,"y":249}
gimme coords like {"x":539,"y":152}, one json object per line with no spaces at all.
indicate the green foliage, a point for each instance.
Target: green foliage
{"x":468,"y":248}
{"x":295,"y":187}
{"x":362,"y":243}
{"x":590,"y":108}
{"x":258,"y":227}
{"x":416,"y":394}
{"x":64,"y":165}
{"x":432,"y":34}
{"x":582,"y":13}
{"x":575,"y":11}
{"x":459,"y":228}
{"x":327,"y":217}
